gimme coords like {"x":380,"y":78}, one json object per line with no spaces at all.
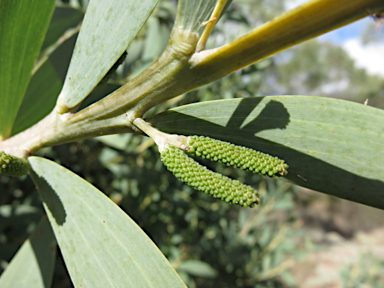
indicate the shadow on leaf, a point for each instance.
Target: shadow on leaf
{"x":241,"y":129}
{"x":50,"y":199}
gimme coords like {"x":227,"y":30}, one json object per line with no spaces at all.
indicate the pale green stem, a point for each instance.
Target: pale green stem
{"x":161,"y":81}
{"x":54,"y":130}
{"x":115,"y":113}
{"x":210,"y":24}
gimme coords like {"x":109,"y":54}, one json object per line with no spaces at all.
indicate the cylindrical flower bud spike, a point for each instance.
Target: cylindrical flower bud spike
{"x":236,"y":156}
{"x":207,"y":181}
{"x":12,"y":165}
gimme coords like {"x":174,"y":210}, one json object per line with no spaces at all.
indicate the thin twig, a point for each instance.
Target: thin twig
{"x":50,"y":49}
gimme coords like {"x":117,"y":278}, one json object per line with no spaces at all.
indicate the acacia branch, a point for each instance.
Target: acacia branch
{"x":181,"y":69}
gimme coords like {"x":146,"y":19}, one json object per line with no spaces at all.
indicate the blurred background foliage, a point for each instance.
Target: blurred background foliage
{"x":209,"y":242}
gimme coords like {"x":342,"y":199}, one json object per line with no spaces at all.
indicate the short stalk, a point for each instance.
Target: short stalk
{"x":162,"y":140}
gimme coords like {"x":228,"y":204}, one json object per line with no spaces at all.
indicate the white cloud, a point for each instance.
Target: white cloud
{"x":370,"y":56}
{"x":294,"y":3}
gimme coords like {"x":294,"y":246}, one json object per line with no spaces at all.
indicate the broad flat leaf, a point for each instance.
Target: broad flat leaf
{"x":40,"y":97}
{"x":332,"y":146}
{"x":101,"y":245}
{"x":33,"y":264}
{"x":109,"y":27}
{"x":23,"y":25}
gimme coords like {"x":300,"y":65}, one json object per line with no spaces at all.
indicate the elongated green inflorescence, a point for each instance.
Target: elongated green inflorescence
{"x":13,"y":166}
{"x":236,"y":156}
{"x":207,"y":181}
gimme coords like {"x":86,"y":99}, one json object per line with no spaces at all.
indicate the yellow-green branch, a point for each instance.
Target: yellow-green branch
{"x":305,"y":22}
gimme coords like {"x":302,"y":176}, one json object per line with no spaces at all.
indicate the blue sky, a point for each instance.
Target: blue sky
{"x":351,"y":31}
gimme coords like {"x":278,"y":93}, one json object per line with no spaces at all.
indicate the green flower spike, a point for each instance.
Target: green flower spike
{"x":207,"y":181}
{"x":13,"y":166}
{"x":236,"y":156}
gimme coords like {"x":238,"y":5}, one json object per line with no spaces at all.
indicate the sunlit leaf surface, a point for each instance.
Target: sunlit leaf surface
{"x":101,"y":245}
{"x":109,"y":27}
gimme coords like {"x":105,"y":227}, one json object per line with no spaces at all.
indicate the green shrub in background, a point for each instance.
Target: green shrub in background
{"x":367,"y":271}
{"x":101,"y":246}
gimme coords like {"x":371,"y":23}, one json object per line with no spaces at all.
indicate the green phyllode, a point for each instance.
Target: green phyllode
{"x":12,"y":165}
{"x":207,"y":181}
{"x":236,"y":156}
